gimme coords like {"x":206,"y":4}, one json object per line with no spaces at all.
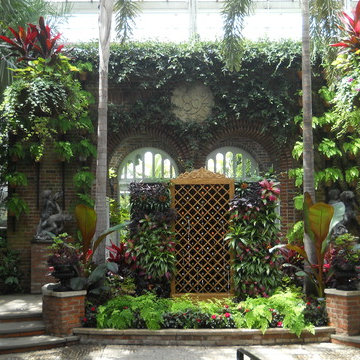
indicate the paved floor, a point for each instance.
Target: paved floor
{"x":324,"y":351}
{"x":13,"y":304}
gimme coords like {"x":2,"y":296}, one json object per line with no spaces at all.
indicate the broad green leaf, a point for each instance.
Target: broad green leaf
{"x":86,"y":222}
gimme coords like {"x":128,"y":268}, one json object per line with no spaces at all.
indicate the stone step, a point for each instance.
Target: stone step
{"x":32,"y":343}
{"x":349,"y":340}
{"x":20,"y":316}
{"x":24,"y":328}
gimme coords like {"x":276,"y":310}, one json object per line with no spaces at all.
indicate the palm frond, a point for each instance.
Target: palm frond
{"x":234,"y":13}
{"x":126,"y":12}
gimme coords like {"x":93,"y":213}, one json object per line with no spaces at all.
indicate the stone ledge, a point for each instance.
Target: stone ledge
{"x":342,"y":292}
{"x":47,"y":291}
{"x":192,"y":337}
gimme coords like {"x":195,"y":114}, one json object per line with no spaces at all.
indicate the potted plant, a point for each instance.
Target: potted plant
{"x":17,"y":152}
{"x":16,"y":179}
{"x":84,"y":68}
{"x":63,"y":150}
{"x":64,"y":263}
{"x":345,"y":258}
{"x":36,"y":151}
{"x":16,"y":206}
{"x":83,"y":180}
{"x":84,"y":149}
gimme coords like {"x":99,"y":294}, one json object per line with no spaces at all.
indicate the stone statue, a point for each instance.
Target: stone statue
{"x":347,"y":199}
{"x":52,"y":218}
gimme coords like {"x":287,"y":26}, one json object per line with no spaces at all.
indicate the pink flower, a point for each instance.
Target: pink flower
{"x":272,"y":198}
{"x":93,"y":308}
{"x":213,"y":317}
{"x":226,"y":306}
{"x":51,"y":268}
{"x":198,"y":320}
{"x":279,"y":324}
{"x":85,"y":319}
{"x":227,"y":315}
{"x":350,"y":80}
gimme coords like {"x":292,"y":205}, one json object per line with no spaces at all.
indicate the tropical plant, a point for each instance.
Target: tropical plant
{"x":153,"y":247}
{"x":16,"y":179}
{"x":83,"y":180}
{"x":253,"y":230}
{"x":35,"y":42}
{"x":63,"y":150}
{"x":17,"y":151}
{"x":319,"y":220}
{"x":84,"y":149}
{"x":125,"y":14}
{"x":16,"y":206}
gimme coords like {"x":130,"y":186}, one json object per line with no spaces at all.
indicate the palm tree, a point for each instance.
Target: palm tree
{"x":125,"y":12}
{"x":105,"y":16}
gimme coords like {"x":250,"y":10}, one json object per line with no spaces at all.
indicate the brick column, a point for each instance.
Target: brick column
{"x":343,"y":308}
{"x":62,"y":311}
{"x":39,"y":266}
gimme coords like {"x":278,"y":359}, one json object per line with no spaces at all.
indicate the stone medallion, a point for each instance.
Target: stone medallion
{"x":192,"y":102}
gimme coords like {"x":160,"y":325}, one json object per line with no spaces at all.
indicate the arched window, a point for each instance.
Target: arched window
{"x":233,"y":162}
{"x":147,"y":165}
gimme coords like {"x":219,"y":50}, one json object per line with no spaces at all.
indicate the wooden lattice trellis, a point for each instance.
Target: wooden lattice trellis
{"x":201,"y":199}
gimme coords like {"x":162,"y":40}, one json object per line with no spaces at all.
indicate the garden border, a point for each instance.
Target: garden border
{"x":200,"y":337}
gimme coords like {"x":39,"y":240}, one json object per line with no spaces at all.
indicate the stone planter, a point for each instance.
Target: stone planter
{"x":62,"y":311}
{"x":343,"y":308}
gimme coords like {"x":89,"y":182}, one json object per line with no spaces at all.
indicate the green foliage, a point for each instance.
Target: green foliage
{"x":262,"y":91}
{"x":16,"y":206}
{"x":253,"y":231}
{"x":10,"y":274}
{"x":154,"y":249}
{"x":83,"y":180}
{"x":63,"y":150}
{"x":283,"y":309}
{"x":120,"y":313}
{"x":16,"y":179}
{"x":258,"y":312}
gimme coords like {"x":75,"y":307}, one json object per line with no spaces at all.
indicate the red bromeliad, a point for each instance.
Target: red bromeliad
{"x":34,"y":42}
{"x":352,"y":28}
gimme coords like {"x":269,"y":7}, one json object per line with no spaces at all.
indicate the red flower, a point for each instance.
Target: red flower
{"x":85,"y":319}
{"x":308,"y":303}
{"x":198,"y":320}
{"x":227,"y":315}
{"x":279,"y":324}
{"x":125,"y":307}
{"x":226,"y":306}
{"x":247,"y":310}
{"x":213,"y":317}
{"x":93,"y":308}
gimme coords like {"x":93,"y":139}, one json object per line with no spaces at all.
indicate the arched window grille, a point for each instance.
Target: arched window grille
{"x":146,"y":165}
{"x":233,"y":162}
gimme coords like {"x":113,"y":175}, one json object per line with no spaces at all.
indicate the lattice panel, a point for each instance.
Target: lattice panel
{"x":203,"y":260}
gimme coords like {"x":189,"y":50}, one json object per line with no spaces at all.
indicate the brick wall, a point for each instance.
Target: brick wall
{"x":343,"y":308}
{"x":62,"y":311}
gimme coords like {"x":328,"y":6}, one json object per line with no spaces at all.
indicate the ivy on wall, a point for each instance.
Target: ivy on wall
{"x":265,"y":91}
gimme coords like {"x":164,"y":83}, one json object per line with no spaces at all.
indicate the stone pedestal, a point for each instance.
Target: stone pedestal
{"x":39,"y":267}
{"x":62,"y":311}
{"x":343,"y":308}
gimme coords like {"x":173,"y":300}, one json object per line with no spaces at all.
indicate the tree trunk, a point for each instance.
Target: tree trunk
{"x":106,"y":8}
{"x":308,"y":155}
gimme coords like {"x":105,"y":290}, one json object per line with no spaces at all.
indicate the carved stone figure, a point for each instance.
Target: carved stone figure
{"x":52,"y":218}
{"x":347,"y":199}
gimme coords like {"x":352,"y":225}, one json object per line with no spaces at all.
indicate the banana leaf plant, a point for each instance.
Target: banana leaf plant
{"x":86,"y":221}
{"x":319,"y":220}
